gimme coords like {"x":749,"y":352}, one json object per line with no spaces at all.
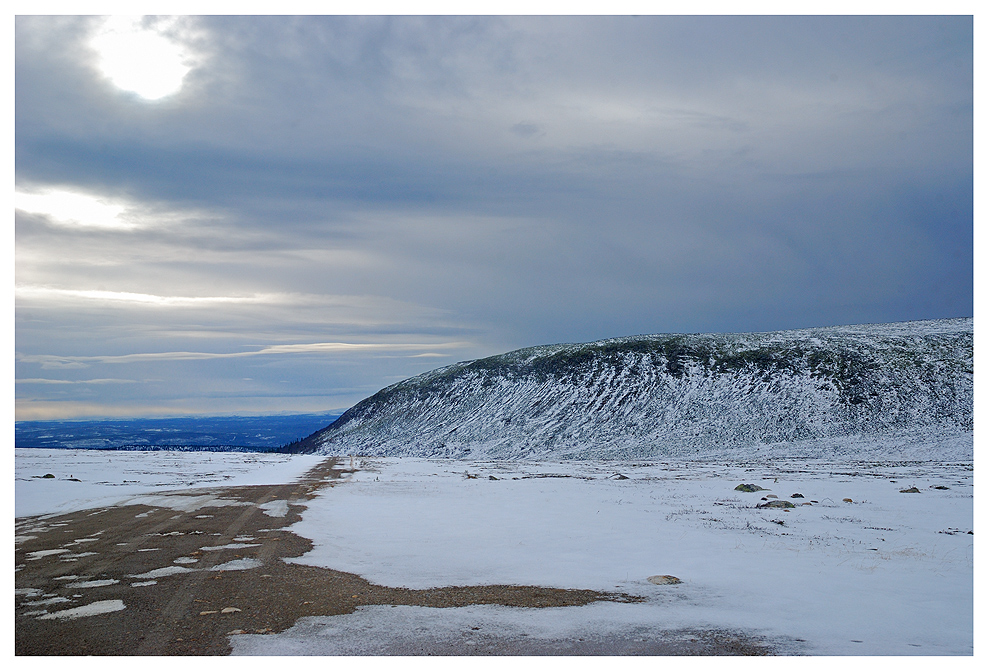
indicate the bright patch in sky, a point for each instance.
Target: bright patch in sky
{"x":139,"y":59}
{"x":69,"y":207}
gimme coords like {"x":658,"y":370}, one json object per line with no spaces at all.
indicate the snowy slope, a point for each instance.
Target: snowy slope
{"x":903,"y":387}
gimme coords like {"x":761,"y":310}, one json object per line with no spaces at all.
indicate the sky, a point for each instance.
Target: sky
{"x":270,"y":214}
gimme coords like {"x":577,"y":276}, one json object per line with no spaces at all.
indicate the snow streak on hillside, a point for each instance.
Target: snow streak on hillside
{"x":889,"y":389}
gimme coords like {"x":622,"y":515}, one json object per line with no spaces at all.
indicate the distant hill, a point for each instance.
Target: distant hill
{"x":904,"y":389}
{"x":258,"y":433}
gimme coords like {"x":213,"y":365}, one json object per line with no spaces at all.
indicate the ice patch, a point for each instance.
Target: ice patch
{"x":38,"y":554}
{"x":96,"y":608}
{"x":186,"y":560}
{"x":92,"y":583}
{"x":162,"y":572}
{"x":47,"y":602}
{"x":238,"y":565}
{"x":146,"y":583}
{"x":230,"y":546}
{"x":277,"y":508}
{"x":181,"y":502}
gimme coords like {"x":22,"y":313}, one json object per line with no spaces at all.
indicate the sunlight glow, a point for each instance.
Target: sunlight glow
{"x":69,"y":207}
{"x":140,"y":59}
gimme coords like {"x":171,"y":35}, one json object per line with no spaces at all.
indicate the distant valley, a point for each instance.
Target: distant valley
{"x":258,"y":433}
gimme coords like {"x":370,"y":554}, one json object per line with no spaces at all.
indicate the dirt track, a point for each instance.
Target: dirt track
{"x":105,"y":556}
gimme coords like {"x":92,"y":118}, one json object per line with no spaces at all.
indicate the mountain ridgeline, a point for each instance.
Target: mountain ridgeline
{"x":810,"y":392}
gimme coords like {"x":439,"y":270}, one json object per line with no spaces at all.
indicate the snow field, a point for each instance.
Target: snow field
{"x":887,"y":573}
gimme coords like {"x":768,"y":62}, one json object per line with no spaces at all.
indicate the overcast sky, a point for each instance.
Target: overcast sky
{"x":323,"y":206}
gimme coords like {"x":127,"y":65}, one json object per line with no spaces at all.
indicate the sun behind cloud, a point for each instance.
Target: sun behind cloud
{"x":141,"y":59}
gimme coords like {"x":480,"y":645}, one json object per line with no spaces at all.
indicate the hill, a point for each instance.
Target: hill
{"x":903,"y":389}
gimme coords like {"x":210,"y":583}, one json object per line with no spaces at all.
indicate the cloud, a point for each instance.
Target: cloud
{"x":492,"y":181}
{"x":108,"y":380}
{"x":52,"y":361}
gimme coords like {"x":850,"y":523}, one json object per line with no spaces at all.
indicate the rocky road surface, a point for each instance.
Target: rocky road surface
{"x":182,"y":574}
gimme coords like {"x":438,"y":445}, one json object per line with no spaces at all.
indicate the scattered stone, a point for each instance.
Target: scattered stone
{"x":807,"y":503}
{"x":941,"y":487}
{"x":911,"y":490}
{"x":778,"y":503}
{"x":848,"y":501}
{"x":797,"y":496}
{"x":619,"y":476}
{"x":771,"y":496}
{"x":664,"y":580}
{"x":748,"y":488}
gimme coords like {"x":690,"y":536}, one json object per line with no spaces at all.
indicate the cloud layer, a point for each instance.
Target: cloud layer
{"x":403,"y":183}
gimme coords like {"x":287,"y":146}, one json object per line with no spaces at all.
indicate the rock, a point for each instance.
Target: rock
{"x":230,"y":609}
{"x":491,"y":477}
{"x":619,"y":476}
{"x":48,"y":475}
{"x":771,"y":496}
{"x":797,"y":496}
{"x":778,"y":503}
{"x":911,"y":490}
{"x":848,"y":501}
{"x":941,"y":487}
{"x":748,"y":488}
{"x":208,"y":612}
{"x":235,"y":631}
{"x":664,"y":580}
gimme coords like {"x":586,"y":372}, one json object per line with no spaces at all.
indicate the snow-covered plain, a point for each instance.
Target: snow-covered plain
{"x":89,"y":478}
{"x":886,"y":573}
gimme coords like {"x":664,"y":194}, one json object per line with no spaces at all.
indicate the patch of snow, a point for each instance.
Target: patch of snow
{"x":277,"y":508}
{"x":112,"y":477}
{"x":38,"y":554}
{"x":47,"y":602}
{"x":162,"y":572}
{"x":92,"y":583}
{"x":230,"y":546}
{"x":95,"y":608}
{"x":238,"y":565}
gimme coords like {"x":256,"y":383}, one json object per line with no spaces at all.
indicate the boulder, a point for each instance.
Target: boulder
{"x":777,"y":503}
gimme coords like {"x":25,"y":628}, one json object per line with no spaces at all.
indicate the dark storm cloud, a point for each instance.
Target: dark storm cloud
{"x":496,"y":181}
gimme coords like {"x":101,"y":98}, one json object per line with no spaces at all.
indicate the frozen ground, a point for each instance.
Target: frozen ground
{"x":886,"y":573}
{"x":88,"y":479}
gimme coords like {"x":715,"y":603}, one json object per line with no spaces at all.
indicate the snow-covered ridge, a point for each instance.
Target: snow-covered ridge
{"x":844,"y":389}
